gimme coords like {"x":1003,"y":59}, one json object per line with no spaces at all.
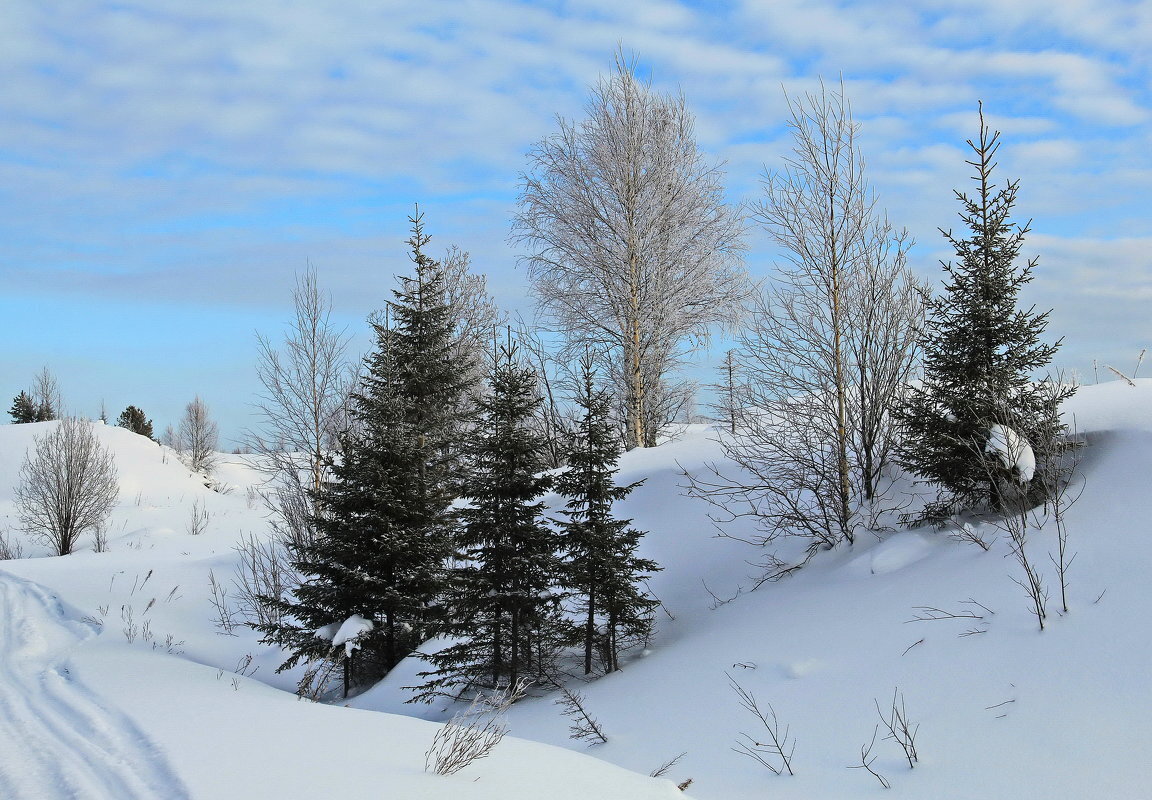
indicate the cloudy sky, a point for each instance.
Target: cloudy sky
{"x":165,"y":167}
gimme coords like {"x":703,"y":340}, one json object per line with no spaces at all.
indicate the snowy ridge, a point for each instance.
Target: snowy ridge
{"x":60,"y":738}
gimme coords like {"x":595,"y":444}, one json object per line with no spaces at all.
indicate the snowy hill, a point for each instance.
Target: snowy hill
{"x":1003,"y":710}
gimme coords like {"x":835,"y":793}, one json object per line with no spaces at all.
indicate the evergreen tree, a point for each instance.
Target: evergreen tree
{"x":384,"y":522}
{"x":136,"y":421}
{"x":23,"y":410}
{"x":979,"y":351}
{"x":503,"y":605}
{"x":602,"y":567}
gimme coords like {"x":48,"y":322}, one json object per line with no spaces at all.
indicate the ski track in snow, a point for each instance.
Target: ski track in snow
{"x":58,"y":739}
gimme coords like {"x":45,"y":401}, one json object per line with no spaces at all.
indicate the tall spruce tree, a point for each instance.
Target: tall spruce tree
{"x":980,"y":351}
{"x":136,"y":421}
{"x":503,"y":606}
{"x":384,"y":522}
{"x":23,"y":410}
{"x":601,"y":566}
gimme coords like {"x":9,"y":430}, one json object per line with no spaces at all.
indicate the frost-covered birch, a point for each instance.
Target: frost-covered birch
{"x":829,"y":344}
{"x":633,"y":251}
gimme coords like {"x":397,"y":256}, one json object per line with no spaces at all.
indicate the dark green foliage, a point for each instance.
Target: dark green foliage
{"x":135,"y":420}
{"x":980,"y":351}
{"x":384,"y":522}
{"x":503,"y":606}
{"x":23,"y":410}
{"x":601,"y":567}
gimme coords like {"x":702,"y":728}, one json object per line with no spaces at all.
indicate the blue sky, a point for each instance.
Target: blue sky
{"x":165,"y":167}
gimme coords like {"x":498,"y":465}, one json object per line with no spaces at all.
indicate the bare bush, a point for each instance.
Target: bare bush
{"x":776,"y":753}
{"x":10,"y":549}
{"x":197,"y":437}
{"x":100,"y":538}
{"x":197,"y":518}
{"x":67,"y":485}
{"x":900,"y":729}
{"x":1062,"y":481}
{"x":472,"y":733}
{"x":264,"y":576}
{"x":224,"y":618}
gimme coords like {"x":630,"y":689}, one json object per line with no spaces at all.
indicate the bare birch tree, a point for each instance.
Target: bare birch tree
{"x":197,"y":437}
{"x":474,"y":311}
{"x":633,"y":250}
{"x":830,"y":343}
{"x":67,"y":485}
{"x":304,"y":381}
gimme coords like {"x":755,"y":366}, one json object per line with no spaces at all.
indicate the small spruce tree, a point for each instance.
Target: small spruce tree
{"x":384,"y":521}
{"x":980,"y":351}
{"x":503,"y":603}
{"x":136,"y":421}
{"x":601,"y":566}
{"x":23,"y":410}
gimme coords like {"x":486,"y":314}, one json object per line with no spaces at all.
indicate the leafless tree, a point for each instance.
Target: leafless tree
{"x":474,"y":311}
{"x":726,"y":406}
{"x":1062,"y":482}
{"x":67,"y":484}
{"x":633,"y":250}
{"x":304,"y":389}
{"x":197,"y":437}
{"x":170,"y":439}
{"x":829,"y":343}
{"x":46,"y":396}
{"x":555,"y":379}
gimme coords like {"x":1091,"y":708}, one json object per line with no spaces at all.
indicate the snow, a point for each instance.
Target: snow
{"x":1014,"y":450}
{"x":1004,"y":710}
{"x":349,"y":633}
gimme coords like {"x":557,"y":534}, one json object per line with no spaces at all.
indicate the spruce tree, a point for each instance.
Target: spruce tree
{"x":384,"y":521}
{"x":136,"y":421}
{"x":503,"y":606}
{"x":601,"y":566}
{"x":980,"y":351}
{"x":23,"y":409}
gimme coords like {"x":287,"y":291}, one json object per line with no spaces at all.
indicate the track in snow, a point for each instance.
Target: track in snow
{"x":58,"y":739}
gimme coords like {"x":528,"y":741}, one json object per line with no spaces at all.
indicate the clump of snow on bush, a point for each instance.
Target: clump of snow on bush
{"x":1013,"y":449}
{"x":347,"y":633}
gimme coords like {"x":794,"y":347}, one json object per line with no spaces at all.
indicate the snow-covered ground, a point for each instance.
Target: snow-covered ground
{"x":115,"y":683}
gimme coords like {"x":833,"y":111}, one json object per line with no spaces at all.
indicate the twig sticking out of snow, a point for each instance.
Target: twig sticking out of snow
{"x":777,"y":746}
{"x":866,"y":759}
{"x":667,"y":765}
{"x":900,"y":730}
{"x":1127,"y":380}
{"x":583,"y":725}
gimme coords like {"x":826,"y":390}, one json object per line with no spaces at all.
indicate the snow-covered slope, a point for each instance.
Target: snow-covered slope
{"x":115,"y":684}
{"x":1003,"y":710}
